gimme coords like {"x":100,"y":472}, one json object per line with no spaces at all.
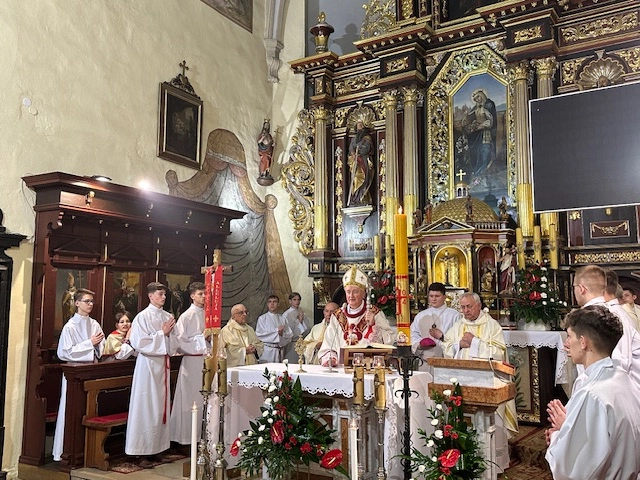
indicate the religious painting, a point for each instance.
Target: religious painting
{"x":68,"y":282}
{"x":178,"y":298}
{"x":179,"y":126}
{"x":471,"y":130}
{"x":238,"y":11}
{"x":479,"y":136}
{"x":126,"y":293}
{"x":525,"y":361}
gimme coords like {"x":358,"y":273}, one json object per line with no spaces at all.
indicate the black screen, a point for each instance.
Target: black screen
{"x":585,"y":149}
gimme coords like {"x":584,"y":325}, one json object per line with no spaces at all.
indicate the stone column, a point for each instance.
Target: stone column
{"x":519,"y":74}
{"x":320,"y":194}
{"x":410,"y":185}
{"x":545,"y":68}
{"x":390,"y":100}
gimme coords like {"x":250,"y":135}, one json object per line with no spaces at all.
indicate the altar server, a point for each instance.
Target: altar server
{"x":152,"y":335}
{"x":597,"y":436}
{"x":192,"y":345}
{"x":356,"y":323}
{"x":274,"y":331}
{"x":299,"y":323}
{"x":81,"y":340}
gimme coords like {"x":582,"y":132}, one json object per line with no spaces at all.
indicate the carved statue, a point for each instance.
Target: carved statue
{"x":417,"y":218}
{"x":360,"y":167}
{"x":265,"y":150}
{"x":68,"y":304}
{"x":486,"y":281}
{"x":502,"y":209}
{"x":450,"y":265}
{"x":428,"y":212}
{"x":507,"y":270}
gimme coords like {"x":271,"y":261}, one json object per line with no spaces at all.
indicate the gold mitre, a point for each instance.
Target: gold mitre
{"x":355,"y":277}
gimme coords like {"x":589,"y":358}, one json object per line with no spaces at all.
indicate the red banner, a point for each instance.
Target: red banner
{"x":213,"y":298}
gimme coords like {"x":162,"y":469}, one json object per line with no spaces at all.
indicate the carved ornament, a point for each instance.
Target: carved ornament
{"x":608,"y":257}
{"x":338,"y":190}
{"x":600,"y":73}
{"x":527,"y":34}
{"x":407,"y":9}
{"x":569,"y":69}
{"x":545,"y":67}
{"x":397,"y":65}
{"x":362,"y":113}
{"x":632,"y":57}
{"x":356,"y":84}
{"x":298,"y":179}
{"x":340,"y":116}
{"x":600,"y":27}
{"x":379,"y":18}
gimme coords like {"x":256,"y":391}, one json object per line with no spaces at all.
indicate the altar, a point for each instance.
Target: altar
{"x":541,"y":365}
{"x":333,"y":389}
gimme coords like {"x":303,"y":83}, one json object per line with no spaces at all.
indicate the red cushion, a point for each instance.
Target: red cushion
{"x":105,"y":419}
{"x":51,"y":417}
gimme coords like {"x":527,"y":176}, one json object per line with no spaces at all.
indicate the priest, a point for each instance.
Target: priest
{"x":313,"y":341}
{"x":356,"y":323}
{"x":241,"y":344}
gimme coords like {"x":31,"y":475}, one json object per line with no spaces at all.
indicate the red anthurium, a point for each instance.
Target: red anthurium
{"x":331,"y":459}
{"x":277,"y":432}
{"x":305,"y":448}
{"x":449,"y":458}
{"x":235,"y":447}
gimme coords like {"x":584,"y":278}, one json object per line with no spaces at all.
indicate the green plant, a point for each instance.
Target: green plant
{"x":455,"y":452}
{"x":286,"y":434}
{"x":383,"y":292}
{"x":537,"y":299}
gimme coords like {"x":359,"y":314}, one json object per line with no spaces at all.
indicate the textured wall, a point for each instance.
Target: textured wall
{"x":91,"y":70}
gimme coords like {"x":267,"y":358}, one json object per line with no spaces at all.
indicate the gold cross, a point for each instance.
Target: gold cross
{"x":460,"y":174}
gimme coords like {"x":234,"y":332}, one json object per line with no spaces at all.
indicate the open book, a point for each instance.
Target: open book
{"x":371,"y":345}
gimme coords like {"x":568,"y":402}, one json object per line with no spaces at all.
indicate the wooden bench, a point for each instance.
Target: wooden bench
{"x":107,"y":407}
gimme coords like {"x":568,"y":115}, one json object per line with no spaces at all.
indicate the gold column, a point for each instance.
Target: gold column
{"x":390,"y":100}
{"x":519,"y":74}
{"x":320,"y":194}
{"x":410,"y":187}
{"x":545,"y":68}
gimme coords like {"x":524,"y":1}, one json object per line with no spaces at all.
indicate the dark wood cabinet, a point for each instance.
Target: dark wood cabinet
{"x":96,"y":234}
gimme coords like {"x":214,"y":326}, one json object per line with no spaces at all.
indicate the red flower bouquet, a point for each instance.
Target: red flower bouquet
{"x":383,"y":292}
{"x":455,"y":453}
{"x":286,"y":434}
{"x":537,"y":298}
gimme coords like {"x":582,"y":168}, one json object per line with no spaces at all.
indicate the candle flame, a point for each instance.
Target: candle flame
{"x":400,"y":209}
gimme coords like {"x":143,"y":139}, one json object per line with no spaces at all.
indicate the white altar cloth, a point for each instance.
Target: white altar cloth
{"x":319,"y":380}
{"x":565,"y":369}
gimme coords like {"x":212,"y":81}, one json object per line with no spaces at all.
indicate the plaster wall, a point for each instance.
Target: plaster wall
{"x":91,"y":71}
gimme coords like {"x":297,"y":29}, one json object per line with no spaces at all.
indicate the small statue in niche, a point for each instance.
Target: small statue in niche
{"x":265,"y":151}
{"x":486,"y":281}
{"x":502,"y":209}
{"x":508,"y":270}
{"x":360,"y":167}
{"x":417,"y":218}
{"x":450,"y":266}
{"x":428,"y":212}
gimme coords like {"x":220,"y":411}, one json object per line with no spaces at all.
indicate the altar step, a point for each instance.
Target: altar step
{"x":527,"y":450}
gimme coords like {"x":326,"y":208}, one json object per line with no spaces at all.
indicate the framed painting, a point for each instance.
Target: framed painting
{"x":178,"y":299}
{"x":68,"y":282}
{"x":238,"y":11}
{"x":179,"y":126}
{"x":126,"y":292}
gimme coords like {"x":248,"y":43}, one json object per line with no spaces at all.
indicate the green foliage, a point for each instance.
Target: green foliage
{"x":383,"y":292}
{"x":537,"y":299}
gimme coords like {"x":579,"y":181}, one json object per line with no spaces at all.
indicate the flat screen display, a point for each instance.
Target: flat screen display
{"x":585,"y":149}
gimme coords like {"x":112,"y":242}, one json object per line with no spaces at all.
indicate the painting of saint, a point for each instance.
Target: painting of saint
{"x":480,"y":139}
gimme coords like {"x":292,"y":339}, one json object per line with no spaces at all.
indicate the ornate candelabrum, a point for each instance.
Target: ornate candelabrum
{"x":300,"y":347}
{"x":359,"y":406}
{"x":220,"y":465}
{"x":203,"y":457}
{"x":379,"y":385}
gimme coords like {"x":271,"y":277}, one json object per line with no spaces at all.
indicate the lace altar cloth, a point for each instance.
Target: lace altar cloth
{"x":243,"y":404}
{"x":565,"y":370}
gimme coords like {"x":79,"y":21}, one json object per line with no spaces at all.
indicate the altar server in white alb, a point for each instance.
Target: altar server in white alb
{"x":299,"y":323}
{"x":192,"y":345}
{"x":476,"y":335}
{"x":428,"y":327}
{"x":274,"y":331}
{"x":597,"y":436}
{"x":152,"y":335}
{"x":81,"y":340}
{"x":356,"y":323}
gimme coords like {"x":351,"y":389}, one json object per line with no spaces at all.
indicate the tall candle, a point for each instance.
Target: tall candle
{"x":208,"y":372}
{"x":380,"y":393}
{"x":387,"y":252}
{"x":553,"y":247}
{"x":194,"y":440}
{"x":402,"y":278}
{"x":222,"y":375}
{"x":353,"y":448}
{"x":520,"y":248}
{"x":358,"y":385}
{"x":537,"y":244}
{"x":376,"y":253}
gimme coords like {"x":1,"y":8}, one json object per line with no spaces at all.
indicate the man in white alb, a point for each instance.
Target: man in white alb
{"x":356,"y":323}
{"x":192,"y":344}
{"x":274,"y":331}
{"x":313,"y":341}
{"x":299,"y":323}
{"x":428,"y":326}
{"x":81,"y":340}
{"x":153,"y":336}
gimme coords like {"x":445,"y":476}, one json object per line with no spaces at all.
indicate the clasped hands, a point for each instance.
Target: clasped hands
{"x":467,"y":338}
{"x":168,"y":325}
{"x":557,"y":415}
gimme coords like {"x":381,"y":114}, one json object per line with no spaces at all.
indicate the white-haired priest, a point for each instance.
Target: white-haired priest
{"x":355,"y":323}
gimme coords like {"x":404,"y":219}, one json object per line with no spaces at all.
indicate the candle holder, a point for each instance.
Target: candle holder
{"x":358,"y":412}
{"x":220,"y":465}
{"x":381,"y":413}
{"x":300,"y":347}
{"x":204,"y":457}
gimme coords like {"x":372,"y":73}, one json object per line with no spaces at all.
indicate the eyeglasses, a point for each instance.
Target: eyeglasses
{"x":88,"y":302}
{"x":242,"y":312}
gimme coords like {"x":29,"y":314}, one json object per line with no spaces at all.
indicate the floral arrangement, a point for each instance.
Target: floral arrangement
{"x":383,"y":292}
{"x":536,"y":298}
{"x":286,"y":434}
{"x":455,"y":451}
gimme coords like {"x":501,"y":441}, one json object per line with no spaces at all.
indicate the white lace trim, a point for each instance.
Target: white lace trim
{"x":523,"y":339}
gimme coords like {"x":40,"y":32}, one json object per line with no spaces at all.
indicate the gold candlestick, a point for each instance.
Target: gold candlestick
{"x":380,"y":391}
{"x":207,"y":372}
{"x":358,"y":385}
{"x":222,"y":375}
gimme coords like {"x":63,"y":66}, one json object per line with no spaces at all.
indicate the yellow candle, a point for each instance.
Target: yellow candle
{"x":376,"y":253}
{"x":402,"y":278}
{"x":207,"y":373}
{"x":358,"y":385}
{"x":387,"y":252}
{"x":537,"y":244}
{"x":553,"y":247}
{"x":380,"y":393}
{"x":520,"y":248}
{"x":222,"y":375}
